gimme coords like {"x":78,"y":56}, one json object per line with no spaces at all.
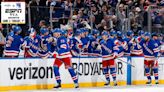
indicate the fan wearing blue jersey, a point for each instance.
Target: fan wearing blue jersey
{"x":13,"y":43}
{"x":151,"y":52}
{"x":63,"y":56}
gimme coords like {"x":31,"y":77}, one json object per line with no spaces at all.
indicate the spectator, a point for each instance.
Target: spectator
{"x":102,"y":26}
{"x":48,"y":3}
{"x":42,"y":9}
{"x":96,"y":13}
{"x":79,"y":4}
{"x":42,"y":2}
{"x":157,"y":22}
{"x":34,"y":12}
{"x":42,"y":24}
{"x":121,"y":17}
{"x":58,"y":12}
{"x":92,"y":22}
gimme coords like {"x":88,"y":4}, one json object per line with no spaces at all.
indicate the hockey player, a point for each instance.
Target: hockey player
{"x":54,"y":42}
{"x":94,"y":46}
{"x":128,"y":42}
{"x":141,"y":34}
{"x":120,"y":36}
{"x":13,"y":43}
{"x":31,"y":44}
{"x":64,"y":56}
{"x":161,"y":38}
{"x":45,"y":43}
{"x":113,"y":34}
{"x":76,"y":43}
{"x":157,"y":40}
{"x":151,"y":52}
{"x":121,"y":42}
{"x":11,"y":32}
{"x":108,"y":57}
{"x":85,"y":43}
{"x":136,"y":49}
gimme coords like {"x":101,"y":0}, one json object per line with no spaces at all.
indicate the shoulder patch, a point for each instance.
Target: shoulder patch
{"x":156,"y":45}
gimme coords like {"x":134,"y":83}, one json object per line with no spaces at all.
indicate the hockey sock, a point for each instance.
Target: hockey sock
{"x":155,"y":73}
{"x":106,"y":73}
{"x":73,"y":75}
{"x":147,"y":70}
{"x":57,"y":74}
{"x":113,"y":72}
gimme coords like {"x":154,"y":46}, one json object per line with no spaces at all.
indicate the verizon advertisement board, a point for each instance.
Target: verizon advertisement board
{"x":13,"y":12}
{"x":17,"y":72}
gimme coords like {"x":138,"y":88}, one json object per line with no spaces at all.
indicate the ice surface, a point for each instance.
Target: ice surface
{"x":132,"y":88}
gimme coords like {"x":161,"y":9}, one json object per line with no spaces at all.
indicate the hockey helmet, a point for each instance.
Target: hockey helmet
{"x":17,"y":29}
{"x":104,"y":33}
{"x":119,"y":34}
{"x":112,"y":32}
{"x":141,"y":32}
{"x":130,"y":33}
{"x":147,"y":34}
{"x":43,"y":30}
{"x":95,"y":31}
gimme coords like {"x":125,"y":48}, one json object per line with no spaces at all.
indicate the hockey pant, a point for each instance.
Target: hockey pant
{"x":151,"y":64}
{"x":68,"y":65}
{"x":109,"y":64}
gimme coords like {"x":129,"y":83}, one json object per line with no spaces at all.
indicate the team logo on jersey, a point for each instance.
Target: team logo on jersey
{"x":156,"y":45}
{"x":62,"y":41}
{"x":21,"y":39}
{"x":36,"y":40}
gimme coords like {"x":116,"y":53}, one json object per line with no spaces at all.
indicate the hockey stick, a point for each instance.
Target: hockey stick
{"x":78,"y":66}
{"x":125,"y":62}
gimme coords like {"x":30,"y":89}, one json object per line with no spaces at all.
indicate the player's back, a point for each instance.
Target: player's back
{"x":44,"y":46}
{"x":62,"y":45}
{"x":106,"y":47}
{"x":76,"y":45}
{"x":128,"y":46}
{"x":13,"y":44}
{"x":85,"y":40}
{"x":93,"y":47}
{"x":136,"y":49}
{"x":149,"y":48}
{"x":63,"y":48}
{"x":118,"y":48}
{"x":33,"y":44}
